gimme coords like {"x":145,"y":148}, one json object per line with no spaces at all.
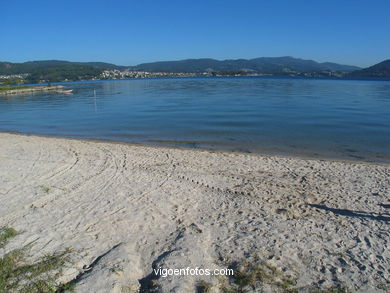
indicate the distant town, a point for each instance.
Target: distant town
{"x":123,"y":74}
{"x":127,"y":74}
{"x":48,"y":71}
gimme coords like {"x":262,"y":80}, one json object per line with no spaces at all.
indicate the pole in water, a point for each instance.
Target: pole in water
{"x":94,"y":98}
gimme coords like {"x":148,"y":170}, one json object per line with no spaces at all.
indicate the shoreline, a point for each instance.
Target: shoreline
{"x":125,"y":209}
{"x":379,"y":79}
{"x":261,"y":152}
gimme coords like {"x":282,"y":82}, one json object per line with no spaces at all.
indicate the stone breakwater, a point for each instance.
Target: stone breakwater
{"x":23,"y":90}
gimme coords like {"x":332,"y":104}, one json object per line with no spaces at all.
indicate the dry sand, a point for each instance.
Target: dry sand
{"x":134,"y":207}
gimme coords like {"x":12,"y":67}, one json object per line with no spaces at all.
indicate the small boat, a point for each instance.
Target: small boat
{"x":64,"y":91}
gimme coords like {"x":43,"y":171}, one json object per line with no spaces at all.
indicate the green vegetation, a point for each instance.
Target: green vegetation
{"x":203,"y":287}
{"x":63,"y":72}
{"x":257,"y":275}
{"x":229,"y":73}
{"x":116,"y":269}
{"x":5,"y":234}
{"x":11,"y":81}
{"x":53,"y":70}
{"x":9,"y":68}
{"x":250,"y":275}
{"x":7,"y":88}
{"x":270,"y":65}
{"x":45,"y":189}
{"x":380,"y":70}
{"x":17,"y":274}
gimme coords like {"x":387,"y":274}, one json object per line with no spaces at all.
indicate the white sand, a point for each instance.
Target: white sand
{"x":140,"y":206}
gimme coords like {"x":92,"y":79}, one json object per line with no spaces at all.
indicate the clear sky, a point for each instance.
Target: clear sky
{"x":355,"y":32}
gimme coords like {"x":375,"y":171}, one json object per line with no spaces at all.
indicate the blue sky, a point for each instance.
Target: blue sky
{"x":129,"y":32}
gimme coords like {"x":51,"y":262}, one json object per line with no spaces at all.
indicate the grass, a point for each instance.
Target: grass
{"x":203,"y":287}
{"x":252,"y":276}
{"x":249,"y":276}
{"x":45,"y":189}
{"x":17,"y":274}
{"x":5,"y":234}
{"x":116,"y":269}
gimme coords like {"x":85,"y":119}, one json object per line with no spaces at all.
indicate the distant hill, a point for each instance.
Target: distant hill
{"x":28,"y":67}
{"x":380,"y":70}
{"x":56,"y":70}
{"x":267,"y":65}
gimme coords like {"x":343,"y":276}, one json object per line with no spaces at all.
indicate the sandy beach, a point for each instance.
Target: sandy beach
{"x":124,"y":210}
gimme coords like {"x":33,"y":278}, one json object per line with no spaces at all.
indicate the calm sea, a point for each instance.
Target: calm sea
{"x":331,"y":118}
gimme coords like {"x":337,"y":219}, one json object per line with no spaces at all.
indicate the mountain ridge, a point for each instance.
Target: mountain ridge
{"x":59,"y":70}
{"x":379,"y":70}
{"x":268,"y":65}
{"x":260,"y":65}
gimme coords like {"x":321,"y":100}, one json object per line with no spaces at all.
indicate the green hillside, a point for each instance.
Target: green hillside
{"x":269,"y":65}
{"x":56,"y":70}
{"x":380,"y":70}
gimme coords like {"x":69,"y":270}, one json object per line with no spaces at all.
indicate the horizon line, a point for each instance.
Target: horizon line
{"x":176,"y":60}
